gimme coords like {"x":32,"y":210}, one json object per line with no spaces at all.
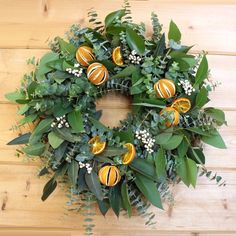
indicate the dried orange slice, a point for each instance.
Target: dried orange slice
{"x":182,"y":105}
{"x":97,"y":145}
{"x":129,"y":156}
{"x":117,"y":57}
{"x":171,"y":115}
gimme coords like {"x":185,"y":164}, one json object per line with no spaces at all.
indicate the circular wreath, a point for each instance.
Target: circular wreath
{"x":159,"y":143}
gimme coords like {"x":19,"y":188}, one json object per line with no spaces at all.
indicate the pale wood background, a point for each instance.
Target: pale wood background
{"x":25,"y":26}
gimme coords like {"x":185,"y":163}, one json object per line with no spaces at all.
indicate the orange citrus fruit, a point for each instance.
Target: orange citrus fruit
{"x":109,"y":175}
{"x":171,"y":115}
{"x":165,"y":88}
{"x":117,"y":57}
{"x":182,"y":105}
{"x":98,"y":146}
{"x":129,"y":156}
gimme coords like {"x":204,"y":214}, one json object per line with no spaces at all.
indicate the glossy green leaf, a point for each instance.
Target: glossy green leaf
{"x":22,"y":139}
{"x":217,"y":114}
{"x":174,"y":32}
{"x":14,"y":96}
{"x":28,"y":119}
{"x":149,"y":189}
{"x":215,"y":140}
{"x":113,"y":151}
{"x":43,"y":127}
{"x":49,"y":188}
{"x":173,"y":142}
{"x":161,"y":46}
{"x":114,"y":16}
{"x":54,"y":140}
{"x":115,"y":199}
{"x":127,"y":72}
{"x":104,"y":206}
{"x":94,"y":185}
{"x":75,"y":120}
{"x":66,"y":135}
{"x":160,"y":162}
{"x":183,"y":148}
{"x":201,"y":72}
{"x":66,"y":47}
{"x":165,"y":136}
{"x":73,"y":171}
{"x":202,"y":98}
{"x":197,"y":130}
{"x":126,"y":136}
{"x":135,"y":41}
{"x":144,"y":167}
{"x":125,"y":199}
{"x":187,"y":170}
{"x":36,"y":149}
{"x":43,"y":171}
{"x":197,"y":155}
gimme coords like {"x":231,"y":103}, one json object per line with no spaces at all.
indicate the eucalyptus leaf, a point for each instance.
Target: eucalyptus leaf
{"x":14,"y":96}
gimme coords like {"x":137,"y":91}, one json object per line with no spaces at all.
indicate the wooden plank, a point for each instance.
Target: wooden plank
{"x":22,"y":207}
{"x":13,"y":67}
{"x":31,"y":23}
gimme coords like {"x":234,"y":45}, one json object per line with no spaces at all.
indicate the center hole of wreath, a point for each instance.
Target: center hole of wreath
{"x":115,"y":107}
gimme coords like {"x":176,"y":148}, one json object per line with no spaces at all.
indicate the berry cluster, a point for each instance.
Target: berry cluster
{"x":60,"y":122}
{"x":134,"y":58}
{"x":145,"y":137}
{"x":87,"y":165}
{"x":77,"y":72}
{"x":187,"y":86}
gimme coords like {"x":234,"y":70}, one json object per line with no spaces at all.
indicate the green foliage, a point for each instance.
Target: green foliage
{"x":135,"y":41}
{"x":49,"y":188}
{"x":22,"y":139}
{"x":174,"y":32}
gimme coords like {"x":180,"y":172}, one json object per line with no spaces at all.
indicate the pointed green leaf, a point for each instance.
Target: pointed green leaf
{"x":104,"y":206}
{"x":75,"y":120}
{"x":127,"y":72}
{"x":164,"y":137}
{"x":202,"y":98}
{"x":125,"y":199}
{"x":54,"y":140}
{"x":160,"y":162}
{"x":161,"y":47}
{"x":215,"y":140}
{"x":201,"y":72}
{"x":94,"y":185}
{"x":36,"y":149}
{"x":22,"y":139}
{"x":149,"y":189}
{"x":73,"y":171}
{"x":66,"y":134}
{"x":135,"y":41}
{"x":49,"y":188}
{"x":115,"y":199}
{"x":114,"y":16}
{"x":66,"y":47}
{"x":173,"y":142}
{"x":174,"y":32}
{"x":43,"y":127}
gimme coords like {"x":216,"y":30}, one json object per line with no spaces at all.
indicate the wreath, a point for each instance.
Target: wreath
{"x":160,"y":141}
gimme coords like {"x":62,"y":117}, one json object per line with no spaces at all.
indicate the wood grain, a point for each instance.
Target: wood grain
{"x":32,"y":23}
{"x":208,"y":210}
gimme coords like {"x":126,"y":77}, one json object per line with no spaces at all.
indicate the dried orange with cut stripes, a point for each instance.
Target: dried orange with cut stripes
{"x":97,"y":145}
{"x":165,"y":88}
{"x":128,"y":157}
{"x":97,"y":73}
{"x":84,"y":55}
{"x":117,"y":57}
{"x":182,"y":105}
{"x":109,"y":175}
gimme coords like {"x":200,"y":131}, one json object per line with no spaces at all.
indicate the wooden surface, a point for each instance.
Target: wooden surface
{"x":25,"y":26}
